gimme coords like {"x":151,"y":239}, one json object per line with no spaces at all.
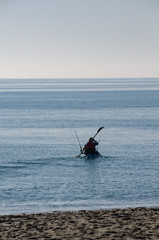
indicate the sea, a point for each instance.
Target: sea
{"x":43,"y":123}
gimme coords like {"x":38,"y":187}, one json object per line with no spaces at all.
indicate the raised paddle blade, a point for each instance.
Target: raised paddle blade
{"x":98,"y":131}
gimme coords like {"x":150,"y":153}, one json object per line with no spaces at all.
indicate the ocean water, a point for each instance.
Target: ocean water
{"x":38,"y":168}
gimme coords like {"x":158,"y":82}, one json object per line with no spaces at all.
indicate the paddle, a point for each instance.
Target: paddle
{"x":98,"y":131}
{"x":93,"y":137}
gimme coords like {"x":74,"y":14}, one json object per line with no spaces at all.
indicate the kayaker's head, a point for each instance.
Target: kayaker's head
{"x":90,"y":139}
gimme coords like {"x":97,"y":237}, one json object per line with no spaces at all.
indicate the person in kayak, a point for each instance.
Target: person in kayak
{"x":90,"y":147}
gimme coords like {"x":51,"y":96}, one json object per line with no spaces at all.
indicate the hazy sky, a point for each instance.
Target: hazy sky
{"x":79,"y":38}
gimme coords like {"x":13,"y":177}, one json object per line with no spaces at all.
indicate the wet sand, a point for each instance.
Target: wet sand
{"x":137,"y":223}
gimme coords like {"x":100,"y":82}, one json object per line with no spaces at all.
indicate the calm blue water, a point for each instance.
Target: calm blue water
{"x":38,"y":168}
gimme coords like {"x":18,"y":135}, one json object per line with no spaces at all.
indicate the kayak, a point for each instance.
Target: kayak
{"x":90,"y":155}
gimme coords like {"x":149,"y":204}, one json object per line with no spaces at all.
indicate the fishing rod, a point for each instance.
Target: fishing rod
{"x":78,"y":140}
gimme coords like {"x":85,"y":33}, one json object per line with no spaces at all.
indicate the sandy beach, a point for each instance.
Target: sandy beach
{"x":137,"y":223}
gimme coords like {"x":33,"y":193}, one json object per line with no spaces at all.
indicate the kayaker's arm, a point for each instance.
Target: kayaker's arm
{"x":95,"y":142}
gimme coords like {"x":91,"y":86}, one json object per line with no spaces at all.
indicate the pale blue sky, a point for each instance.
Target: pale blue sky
{"x":79,"y":38}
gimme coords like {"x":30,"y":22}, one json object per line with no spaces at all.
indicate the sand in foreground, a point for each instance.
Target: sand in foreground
{"x":137,"y":223}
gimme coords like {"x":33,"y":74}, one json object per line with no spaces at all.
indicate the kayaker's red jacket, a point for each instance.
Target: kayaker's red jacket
{"x":90,"y":145}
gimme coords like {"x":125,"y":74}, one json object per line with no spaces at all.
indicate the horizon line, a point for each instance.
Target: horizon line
{"x":51,"y":78}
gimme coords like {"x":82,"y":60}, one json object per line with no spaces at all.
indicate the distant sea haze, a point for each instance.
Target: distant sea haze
{"x":115,"y":84}
{"x":39,"y":170}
